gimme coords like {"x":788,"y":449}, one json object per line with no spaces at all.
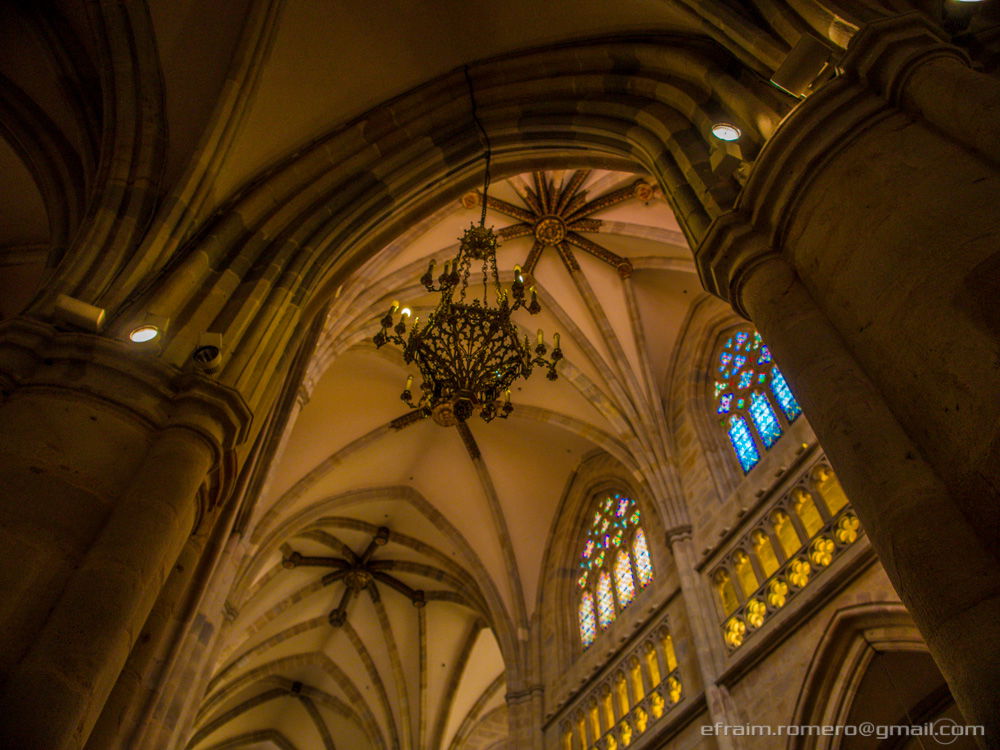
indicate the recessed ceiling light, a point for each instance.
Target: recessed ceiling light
{"x":143,"y":334}
{"x":726,"y":131}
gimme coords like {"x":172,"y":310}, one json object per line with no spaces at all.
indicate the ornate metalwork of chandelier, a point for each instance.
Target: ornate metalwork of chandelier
{"x":469,"y":353}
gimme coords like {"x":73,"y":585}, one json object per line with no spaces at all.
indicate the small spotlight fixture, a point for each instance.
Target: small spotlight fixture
{"x":142,"y":334}
{"x":726,"y":131}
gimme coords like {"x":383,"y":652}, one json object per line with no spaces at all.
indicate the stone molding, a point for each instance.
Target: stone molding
{"x":36,"y":356}
{"x":874,"y":74}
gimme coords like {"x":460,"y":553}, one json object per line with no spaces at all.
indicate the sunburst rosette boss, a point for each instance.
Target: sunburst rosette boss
{"x":469,"y":353}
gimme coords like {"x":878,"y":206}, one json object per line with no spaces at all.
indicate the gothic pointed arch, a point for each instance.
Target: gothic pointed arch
{"x":863,"y":645}
{"x":631,"y":570}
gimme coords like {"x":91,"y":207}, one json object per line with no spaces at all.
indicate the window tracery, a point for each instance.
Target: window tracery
{"x":747,"y":385}
{"x":614,"y":564}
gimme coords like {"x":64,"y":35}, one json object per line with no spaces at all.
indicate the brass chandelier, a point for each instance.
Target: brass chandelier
{"x":469,"y":353}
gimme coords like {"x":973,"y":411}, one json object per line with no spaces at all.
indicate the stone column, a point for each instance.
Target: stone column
{"x":947,"y":578}
{"x":706,"y":634}
{"x":109,"y":457}
{"x":524,"y":717}
{"x":864,"y":248}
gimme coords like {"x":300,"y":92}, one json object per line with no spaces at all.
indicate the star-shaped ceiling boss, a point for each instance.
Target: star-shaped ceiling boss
{"x":557,"y":215}
{"x":358,"y":572}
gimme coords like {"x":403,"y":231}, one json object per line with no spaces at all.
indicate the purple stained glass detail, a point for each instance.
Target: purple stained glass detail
{"x":623,"y":503}
{"x":588,"y":548}
{"x":724,"y":403}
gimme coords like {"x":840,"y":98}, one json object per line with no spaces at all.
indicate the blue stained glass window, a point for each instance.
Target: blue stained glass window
{"x":783,"y":394}
{"x":747,"y":364}
{"x":764,"y":419}
{"x":742,"y":440}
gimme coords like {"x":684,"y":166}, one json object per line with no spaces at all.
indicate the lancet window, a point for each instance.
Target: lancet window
{"x":613,"y":566}
{"x":752,"y":399}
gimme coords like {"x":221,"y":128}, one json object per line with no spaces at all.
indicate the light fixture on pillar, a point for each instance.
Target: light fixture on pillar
{"x":726,"y":131}
{"x":469,"y":352}
{"x":150,"y":329}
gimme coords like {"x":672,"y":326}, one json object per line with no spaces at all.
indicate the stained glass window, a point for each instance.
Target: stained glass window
{"x":624,"y":583}
{"x":605,"y":600}
{"x":643,"y":565}
{"x":613,"y":554}
{"x":745,"y":391}
{"x":743,"y":443}
{"x":784,"y":395}
{"x":764,"y":419}
{"x":588,"y":625}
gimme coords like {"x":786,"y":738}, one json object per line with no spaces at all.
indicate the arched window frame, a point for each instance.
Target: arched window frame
{"x":750,"y":396}
{"x":597,"y":541}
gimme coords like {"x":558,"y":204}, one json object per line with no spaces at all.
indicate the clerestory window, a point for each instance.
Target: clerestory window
{"x":614,"y":563}
{"x":752,"y":399}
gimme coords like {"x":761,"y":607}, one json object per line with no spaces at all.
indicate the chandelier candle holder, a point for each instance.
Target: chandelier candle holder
{"x":469,"y":352}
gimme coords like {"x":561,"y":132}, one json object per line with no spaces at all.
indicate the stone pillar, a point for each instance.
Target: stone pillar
{"x":524,"y":717}
{"x":706,"y":634}
{"x":947,"y":578}
{"x":864,"y":248}
{"x":108,"y":457}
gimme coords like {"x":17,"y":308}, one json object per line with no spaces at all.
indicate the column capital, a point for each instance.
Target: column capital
{"x":37,"y":357}
{"x":678,"y":534}
{"x":885,"y":52}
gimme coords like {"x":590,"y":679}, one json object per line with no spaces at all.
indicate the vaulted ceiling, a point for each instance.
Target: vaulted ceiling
{"x":468,"y":509}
